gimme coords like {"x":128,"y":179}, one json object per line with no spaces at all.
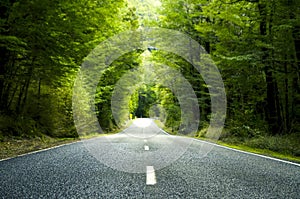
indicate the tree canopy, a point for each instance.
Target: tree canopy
{"x":254,"y":43}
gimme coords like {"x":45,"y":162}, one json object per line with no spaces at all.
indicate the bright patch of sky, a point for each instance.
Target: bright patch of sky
{"x":145,"y":9}
{"x":154,"y":3}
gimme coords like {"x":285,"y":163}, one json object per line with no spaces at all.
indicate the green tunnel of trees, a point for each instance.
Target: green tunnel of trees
{"x":254,"y":43}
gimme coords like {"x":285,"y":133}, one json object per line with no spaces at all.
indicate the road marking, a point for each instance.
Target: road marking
{"x":40,"y":150}
{"x":146,"y":148}
{"x":145,"y":140}
{"x":150,"y":178}
{"x":245,"y":152}
{"x":249,"y":153}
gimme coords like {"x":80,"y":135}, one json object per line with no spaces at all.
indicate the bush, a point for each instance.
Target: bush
{"x":245,"y":132}
{"x":34,"y":123}
{"x":19,"y":126}
{"x":203,"y":129}
{"x":288,"y":144}
{"x":244,"y":128}
{"x":240,"y":134}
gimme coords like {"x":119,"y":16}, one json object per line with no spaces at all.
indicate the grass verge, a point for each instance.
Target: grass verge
{"x":14,"y":146}
{"x":265,"y":152}
{"x":283,"y":147}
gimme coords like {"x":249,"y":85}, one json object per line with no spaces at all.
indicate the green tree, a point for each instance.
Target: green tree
{"x":42,"y":44}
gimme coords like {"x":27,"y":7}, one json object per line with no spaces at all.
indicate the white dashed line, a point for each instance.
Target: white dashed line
{"x":150,"y":178}
{"x":146,"y":148}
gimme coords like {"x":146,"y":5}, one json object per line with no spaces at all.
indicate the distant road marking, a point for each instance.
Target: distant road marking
{"x":150,"y":178}
{"x":146,"y":148}
{"x":145,"y":140}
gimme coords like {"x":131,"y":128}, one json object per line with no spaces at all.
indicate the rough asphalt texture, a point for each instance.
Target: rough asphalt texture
{"x":72,"y":171}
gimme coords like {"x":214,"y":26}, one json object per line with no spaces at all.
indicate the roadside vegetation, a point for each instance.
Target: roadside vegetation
{"x":14,"y":146}
{"x":282,"y":147}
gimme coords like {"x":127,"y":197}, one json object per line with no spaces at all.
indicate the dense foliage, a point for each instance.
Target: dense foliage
{"x":254,"y":43}
{"x":42,"y":45}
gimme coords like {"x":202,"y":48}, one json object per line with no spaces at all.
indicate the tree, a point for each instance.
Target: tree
{"x":42,"y":44}
{"x":248,"y":40}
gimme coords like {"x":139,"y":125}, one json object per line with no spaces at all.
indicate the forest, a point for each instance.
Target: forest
{"x":255,"y":45}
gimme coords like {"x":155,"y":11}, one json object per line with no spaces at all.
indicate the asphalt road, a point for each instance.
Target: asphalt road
{"x":122,"y":165}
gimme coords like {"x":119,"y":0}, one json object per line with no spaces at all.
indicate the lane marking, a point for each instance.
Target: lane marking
{"x":237,"y":150}
{"x":145,"y":140}
{"x":61,"y":145}
{"x":150,"y":178}
{"x":39,"y":151}
{"x":165,"y":132}
{"x":249,"y":153}
{"x":146,"y":148}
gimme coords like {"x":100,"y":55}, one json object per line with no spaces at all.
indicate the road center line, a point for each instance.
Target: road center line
{"x":146,"y":148}
{"x":150,"y":178}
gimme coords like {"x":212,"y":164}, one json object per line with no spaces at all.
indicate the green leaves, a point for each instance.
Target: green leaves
{"x":42,"y":45}
{"x":254,"y":45}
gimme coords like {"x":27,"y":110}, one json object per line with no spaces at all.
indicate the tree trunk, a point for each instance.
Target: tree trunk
{"x":4,"y":59}
{"x":295,"y":113}
{"x":272,"y":102}
{"x":21,"y":93}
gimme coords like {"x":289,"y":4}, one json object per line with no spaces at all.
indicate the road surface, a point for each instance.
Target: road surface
{"x":145,"y":162}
